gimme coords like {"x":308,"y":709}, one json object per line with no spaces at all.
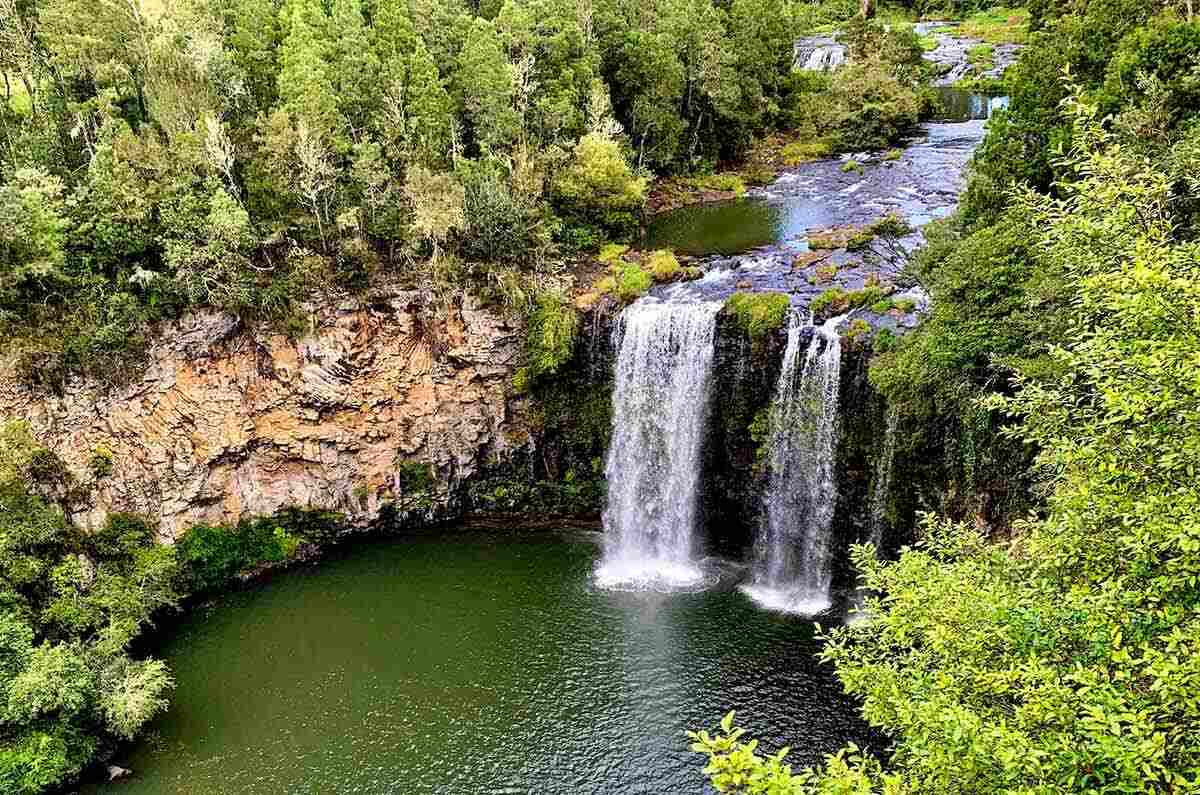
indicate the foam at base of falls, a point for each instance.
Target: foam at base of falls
{"x":793,"y":551}
{"x":661,"y":399}
{"x":794,"y":601}
{"x":648,"y":574}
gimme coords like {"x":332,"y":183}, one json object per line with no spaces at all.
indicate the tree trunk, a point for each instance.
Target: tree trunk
{"x":868,"y":9}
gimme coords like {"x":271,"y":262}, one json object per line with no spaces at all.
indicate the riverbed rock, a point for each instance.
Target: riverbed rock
{"x":229,"y":420}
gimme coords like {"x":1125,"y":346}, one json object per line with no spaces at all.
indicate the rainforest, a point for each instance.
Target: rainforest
{"x":763,"y":397}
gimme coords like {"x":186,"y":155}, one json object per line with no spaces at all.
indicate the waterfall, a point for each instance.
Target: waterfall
{"x":881,"y":485}
{"x":792,"y":570}
{"x":661,"y":402}
{"x":818,"y":54}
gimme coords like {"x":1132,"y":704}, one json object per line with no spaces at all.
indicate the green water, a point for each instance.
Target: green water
{"x":727,"y":227}
{"x":474,"y":663}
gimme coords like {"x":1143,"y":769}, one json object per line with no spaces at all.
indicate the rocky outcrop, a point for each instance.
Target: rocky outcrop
{"x":228,"y":420}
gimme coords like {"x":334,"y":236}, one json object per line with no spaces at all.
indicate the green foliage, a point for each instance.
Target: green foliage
{"x":836,"y":301}
{"x":737,"y":768}
{"x":628,"y":281}
{"x":71,"y":604}
{"x":520,"y":496}
{"x":597,"y":186}
{"x":799,"y":152}
{"x":550,"y":337}
{"x":758,"y":314}
{"x":727,"y":183}
{"x":213,"y":555}
{"x":611,"y":252}
{"x":870,"y":107}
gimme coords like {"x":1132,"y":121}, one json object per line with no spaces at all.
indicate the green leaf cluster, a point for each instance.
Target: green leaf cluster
{"x":71,"y":603}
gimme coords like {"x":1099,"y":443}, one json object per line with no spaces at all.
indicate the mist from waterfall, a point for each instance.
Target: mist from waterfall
{"x":661,"y":402}
{"x":793,"y":556}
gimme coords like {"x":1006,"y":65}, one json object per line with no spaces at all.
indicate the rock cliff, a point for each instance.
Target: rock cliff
{"x":229,"y":420}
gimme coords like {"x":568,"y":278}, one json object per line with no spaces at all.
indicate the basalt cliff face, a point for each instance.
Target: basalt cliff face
{"x":228,"y":421}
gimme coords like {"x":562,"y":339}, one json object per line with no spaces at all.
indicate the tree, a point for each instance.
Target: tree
{"x":354,"y":65}
{"x":305,"y":85}
{"x":32,"y":233}
{"x":597,"y":185}
{"x":486,"y":88}
{"x":438,"y":205}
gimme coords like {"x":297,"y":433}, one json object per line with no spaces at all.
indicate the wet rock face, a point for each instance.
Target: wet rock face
{"x":228,"y":421}
{"x":745,"y":372}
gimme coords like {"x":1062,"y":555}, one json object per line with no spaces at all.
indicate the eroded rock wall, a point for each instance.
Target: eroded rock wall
{"x":228,"y":421}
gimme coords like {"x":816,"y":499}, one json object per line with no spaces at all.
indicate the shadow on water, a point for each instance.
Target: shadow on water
{"x":483,"y":662}
{"x":727,"y":227}
{"x":958,"y":105}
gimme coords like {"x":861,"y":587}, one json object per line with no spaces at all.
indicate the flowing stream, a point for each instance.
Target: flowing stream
{"x":660,"y":411}
{"x":793,"y":555}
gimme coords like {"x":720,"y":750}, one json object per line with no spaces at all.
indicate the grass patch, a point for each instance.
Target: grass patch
{"x":628,"y":281}
{"x":999,"y":25}
{"x":836,"y":301}
{"x":982,"y":56}
{"x":758,"y":314}
{"x":730,"y":182}
{"x":758,"y":174}
{"x":799,"y":152}
{"x":852,"y":166}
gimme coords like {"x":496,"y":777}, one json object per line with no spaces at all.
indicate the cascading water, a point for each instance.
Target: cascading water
{"x":793,"y":571}
{"x":818,"y":54}
{"x":660,"y":410}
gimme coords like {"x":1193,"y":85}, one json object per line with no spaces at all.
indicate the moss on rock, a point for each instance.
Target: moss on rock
{"x":758,"y":314}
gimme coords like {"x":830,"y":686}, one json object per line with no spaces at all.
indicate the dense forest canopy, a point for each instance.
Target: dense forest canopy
{"x":241,"y":153}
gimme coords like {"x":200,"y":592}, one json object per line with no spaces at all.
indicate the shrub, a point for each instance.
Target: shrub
{"x":836,"y":301}
{"x":500,"y":226}
{"x":628,"y":281}
{"x":663,"y":266}
{"x":858,"y":332}
{"x":757,"y":174}
{"x":597,"y":186}
{"x":869,"y":107}
{"x":550,"y":337}
{"x":728,"y":183}
{"x":611,"y":252}
{"x":101,"y":462}
{"x":212,"y":555}
{"x":758,"y":314}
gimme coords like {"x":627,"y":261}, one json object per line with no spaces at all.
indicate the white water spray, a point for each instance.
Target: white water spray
{"x":793,"y":565}
{"x":660,"y":411}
